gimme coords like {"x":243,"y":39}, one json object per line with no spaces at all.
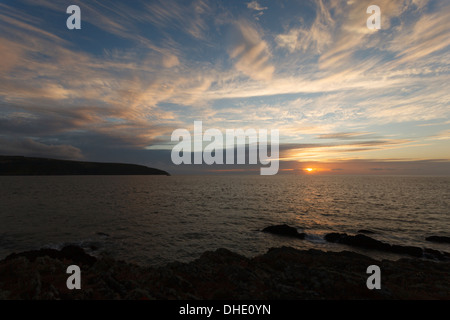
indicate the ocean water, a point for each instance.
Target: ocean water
{"x":153,"y":220}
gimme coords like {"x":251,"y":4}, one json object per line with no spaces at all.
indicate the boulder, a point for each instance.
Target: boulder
{"x":410,"y":250}
{"x":70,"y":252}
{"x":335,"y":237}
{"x":358,"y":240}
{"x":436,"y":255}
{"x":439,"y":239}
{"x":366,"y":242}
{"x":284,"y":230}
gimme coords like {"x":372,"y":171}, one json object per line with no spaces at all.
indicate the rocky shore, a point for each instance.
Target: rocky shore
{"x":361,"y":240}
{"x":281,"y":273}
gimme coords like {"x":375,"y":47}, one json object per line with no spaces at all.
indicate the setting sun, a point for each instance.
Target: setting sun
{"x":309,"y":169}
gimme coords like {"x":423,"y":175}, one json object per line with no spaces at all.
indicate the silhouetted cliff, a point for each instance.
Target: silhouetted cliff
{"x":16,"y":165}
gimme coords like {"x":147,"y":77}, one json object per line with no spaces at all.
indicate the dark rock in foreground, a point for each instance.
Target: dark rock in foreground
{"x":366,"y":242}
{"x":281,"y":273}
{"x":284,"y":230}
{"x":14,"y":165}
{"x":70,"y":252}
{"x":438,"y":239}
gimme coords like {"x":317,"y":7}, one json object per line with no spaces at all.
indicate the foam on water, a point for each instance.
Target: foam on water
{"x":315,"y":238}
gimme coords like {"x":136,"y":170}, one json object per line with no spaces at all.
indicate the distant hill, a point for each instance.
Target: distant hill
{"x":17,"y":165}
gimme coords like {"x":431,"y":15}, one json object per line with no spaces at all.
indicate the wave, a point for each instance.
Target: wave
{"x":315,"y":238}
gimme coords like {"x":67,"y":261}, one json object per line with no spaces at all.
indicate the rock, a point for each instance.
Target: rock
{"x":70,"y":252}
{"x":359,"y":240}
{"x":436,"y":255}
{"x":366,"y":242}
{"x":439,"y":239}
{"x":76,"y":254}
{"x":335,"y":237}
{"x":283,"y":273}
{"x":284,"y":230}
{"x":103,"y":234}
{"x":410,"y":250}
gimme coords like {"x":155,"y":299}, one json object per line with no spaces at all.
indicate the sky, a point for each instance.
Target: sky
{"x":346,"y":99}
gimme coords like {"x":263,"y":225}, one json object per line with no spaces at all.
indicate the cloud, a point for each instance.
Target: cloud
{"x":429,"y":34}
{"x":63,"y":89}
{"x":11,"y":55}
{"x":442,"y":135}
{"x":187,"y":17}
{"x":337,"y":150}
{"x":30,"y":147}
{"x":170,"y":61}
{"x":250,"y":52}
{"x":351,"y":33}
{"x":339,"y":32}
{"x":368,"y":143}
{"x":346,"y":135}
{"x":254,"y":5}
{"x":315,"y":38}
{"x":16,"y":24}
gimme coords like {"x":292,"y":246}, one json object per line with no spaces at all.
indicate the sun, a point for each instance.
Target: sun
{"x":309,"y":169}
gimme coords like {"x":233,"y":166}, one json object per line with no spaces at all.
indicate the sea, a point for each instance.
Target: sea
{"x":154,"y":220}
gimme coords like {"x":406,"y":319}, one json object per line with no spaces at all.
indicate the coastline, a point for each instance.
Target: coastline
{"x":281,"y":273}
{"x":33,"y":166}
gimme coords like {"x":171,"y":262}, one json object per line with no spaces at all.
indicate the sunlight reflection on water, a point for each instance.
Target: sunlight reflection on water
{"x":157,"y":219}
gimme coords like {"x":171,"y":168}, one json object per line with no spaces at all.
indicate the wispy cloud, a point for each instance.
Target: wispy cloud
{"x":347,"y":135}
{"x":250,"y":52}
{"x":326,"y":151}
{"x":188,"y":17}
{"x":442,"y":135}
{"x":313,"y":39}
{"x":254,"y":5}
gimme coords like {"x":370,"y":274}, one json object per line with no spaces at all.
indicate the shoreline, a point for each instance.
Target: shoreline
{"x":358,"y":242}
{"x":281,"y":273}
